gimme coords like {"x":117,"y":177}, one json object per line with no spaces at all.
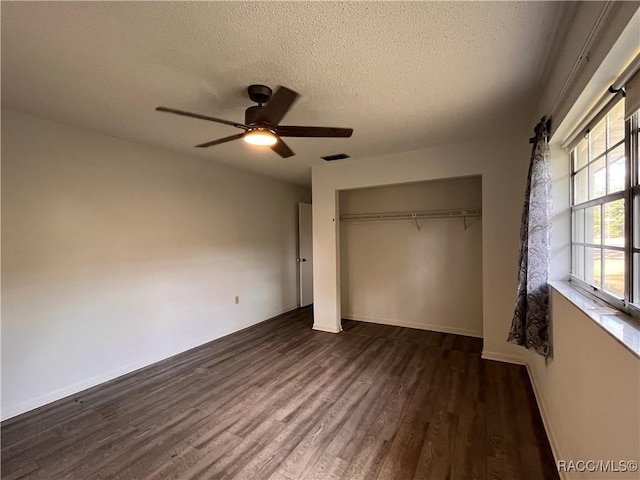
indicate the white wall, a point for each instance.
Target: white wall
{"x":393,"y":273}
{"x":589,"y":393}
{"x":116,"y":255}
{"x":502,"y":163}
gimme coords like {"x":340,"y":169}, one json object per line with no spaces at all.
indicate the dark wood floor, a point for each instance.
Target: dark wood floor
{"x":281,"y":401}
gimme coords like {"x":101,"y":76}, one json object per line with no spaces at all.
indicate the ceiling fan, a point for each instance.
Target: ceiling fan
{"x":262,"y":122}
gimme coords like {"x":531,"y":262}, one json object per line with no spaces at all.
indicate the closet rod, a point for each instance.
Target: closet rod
{"x":410,"y":215}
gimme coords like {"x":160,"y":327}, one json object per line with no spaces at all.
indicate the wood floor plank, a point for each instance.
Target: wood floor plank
{"x":226,"y":465}
{"x":26,"y":448}
{"x":281,"y":401}
{"x":302,"y":459}
{"x":18,"y":469}
{"x":89,"y":462}
{"x":436,"y":456}
{"x":56,"y":456}
{"x":36,"y":424}
{"x":403,"y":456}
{"x":328,"y":468}
{"x":266,"y":462}
{"x":469,"y":455}
{"x":348,"y":439}
{"x":502,"y":454}
{"x":376,"y":444}
{"x":185,"y":457}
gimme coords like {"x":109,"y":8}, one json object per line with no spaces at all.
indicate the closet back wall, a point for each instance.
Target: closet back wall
{"x":395,"y":274}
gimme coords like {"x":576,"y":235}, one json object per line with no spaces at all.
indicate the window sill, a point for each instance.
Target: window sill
{"x":625,"y":329}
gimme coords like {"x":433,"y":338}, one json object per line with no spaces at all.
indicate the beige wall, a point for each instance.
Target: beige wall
{"x":115,"y":256}
{"x":393,"y":273}
{"x":589,"y":393}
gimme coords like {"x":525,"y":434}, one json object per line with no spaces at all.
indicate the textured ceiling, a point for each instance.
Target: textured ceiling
{"x":403,"y":75}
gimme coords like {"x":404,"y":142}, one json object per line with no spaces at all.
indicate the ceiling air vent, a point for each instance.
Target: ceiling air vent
{"x":339,"y":156}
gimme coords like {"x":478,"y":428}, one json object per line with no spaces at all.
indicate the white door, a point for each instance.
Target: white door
{"x":305,"y":260}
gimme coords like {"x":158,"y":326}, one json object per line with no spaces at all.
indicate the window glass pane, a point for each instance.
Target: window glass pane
{"x":636,"y":222}
{"x":617,"y":169}
{"x":599,"y":232}
{"x":597,"y":138}
{"x":616,"y":124}
{"x":581,"y":154}
{"x":614,"y":223}
{"x":614,"y":272}
{"x":636,"y":278}
{"x":635,"y":153}
{"x":581,"y":187}
{"x":598,"y":178}
{"x":592,"y":266}
{"x":578,"y":261}
{"x":578,"y":226}
{"x":592,"y":223}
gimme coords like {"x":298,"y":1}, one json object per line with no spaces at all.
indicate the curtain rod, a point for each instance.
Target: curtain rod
{"x":616,"y":87}
{"x":583,"y":55}
{"x":626,"y":75}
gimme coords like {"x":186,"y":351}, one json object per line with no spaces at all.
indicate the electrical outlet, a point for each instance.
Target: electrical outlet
{"x":237,"y":299}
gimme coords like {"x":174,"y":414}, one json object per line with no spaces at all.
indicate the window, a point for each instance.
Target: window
{"x":605,"y":208}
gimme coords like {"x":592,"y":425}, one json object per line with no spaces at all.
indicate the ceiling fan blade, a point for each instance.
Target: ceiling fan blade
{"x":220,"y":140}
{"x":278,"y":106}
{"x":202,"y":117}
{"x":293,"y":131}
{"x":282,"y":149}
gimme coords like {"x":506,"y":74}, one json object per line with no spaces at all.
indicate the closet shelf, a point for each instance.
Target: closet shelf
{"x":421,"y":214}
{"x":463,"y":213}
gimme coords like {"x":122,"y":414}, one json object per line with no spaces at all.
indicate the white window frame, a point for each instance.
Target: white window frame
{"x":630,"y":303}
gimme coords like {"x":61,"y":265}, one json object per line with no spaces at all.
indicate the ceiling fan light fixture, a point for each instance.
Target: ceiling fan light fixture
{"x":262,"y":122}
{"x":261,"y":136}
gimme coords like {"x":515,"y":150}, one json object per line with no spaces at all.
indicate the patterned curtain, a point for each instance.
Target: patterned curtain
{"x":530,"y":325}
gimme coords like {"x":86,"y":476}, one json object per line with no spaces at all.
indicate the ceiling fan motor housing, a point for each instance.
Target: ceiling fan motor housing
{"x":251,"y":114}
{"x":259,"y":94}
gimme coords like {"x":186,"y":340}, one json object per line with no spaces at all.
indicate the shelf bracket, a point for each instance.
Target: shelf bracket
{"x":415,"y":219}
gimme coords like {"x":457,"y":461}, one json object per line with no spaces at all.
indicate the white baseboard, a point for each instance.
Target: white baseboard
{"x":67,"y":391}
{"x":546,"y":422}
{"x":50,"y":397}
{"x":502,"y":357}
{"x":419,"y":326}
{"x":281,"y":311}
{"x":326,"y":328}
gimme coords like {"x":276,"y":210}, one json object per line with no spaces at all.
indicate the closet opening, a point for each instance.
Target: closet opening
{"x":411,"y":255}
